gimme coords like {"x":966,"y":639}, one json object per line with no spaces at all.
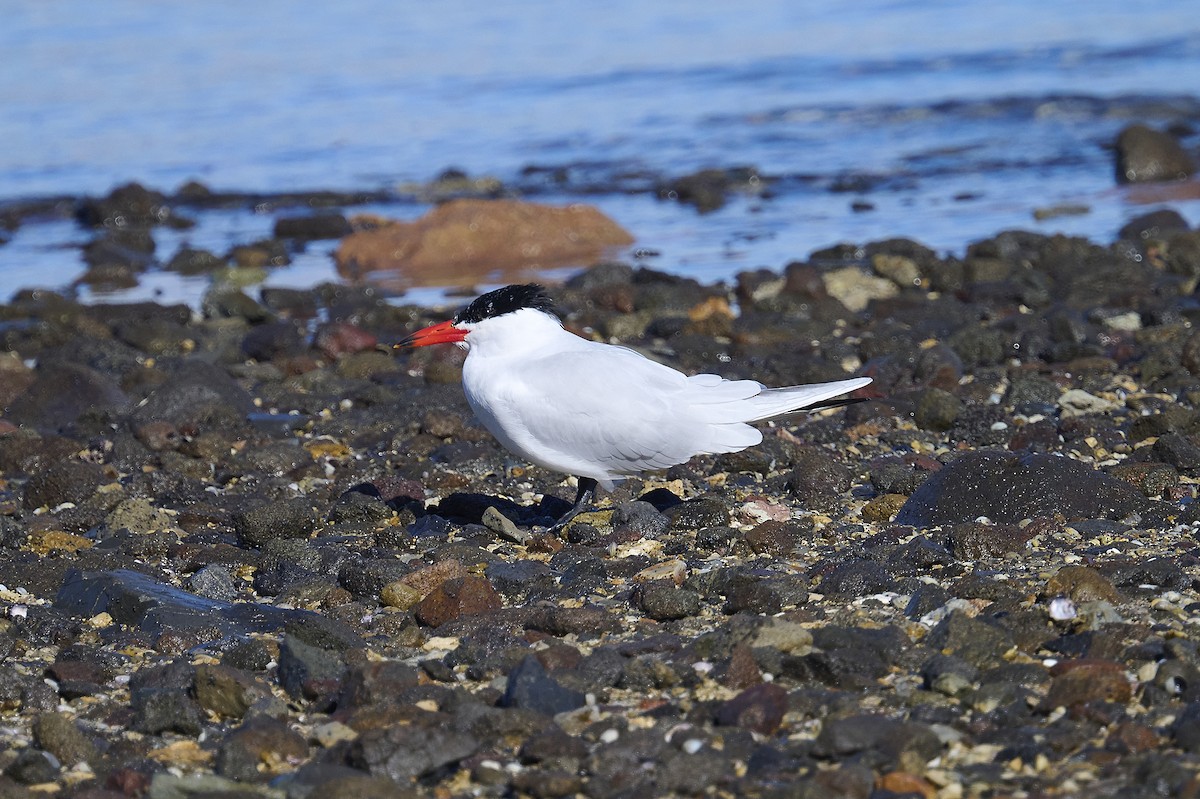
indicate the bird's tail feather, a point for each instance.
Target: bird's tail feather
{"x":775,"y":401}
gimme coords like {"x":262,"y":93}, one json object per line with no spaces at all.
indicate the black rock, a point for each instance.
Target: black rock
{"x":288,"y":518}
{"x":1009,"y":488}
{"x":281,"y":339}
{"x":818,"y":479}
{"x":33,"y":767}
{"x":318,"y":226}
{"x":698,"y":513}
{"x":857,"y":578}
{"x":67,"y":481}
{"x":531,"y":688}
{"x":129,"y":206}
{"x":1154,"y":225}
{"x":189,"y":261}
{"x":62,"y":393}
{"x":662,"y":600}
{"x":970,"y":639}
{"x":197,"y":394}
{"x":161,"y":700}
{"x":308,"y":671}
{"x":140,"y":601}
{"x":260,"y":740}
{"x":640,"y":519}
{"x":937,"y":409}
{"x":1146,"y":155}
{"x":213,"y":582}
{"x":401,"y":752}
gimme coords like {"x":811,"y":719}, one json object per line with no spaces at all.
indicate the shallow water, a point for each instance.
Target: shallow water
{"x":948,"y":121}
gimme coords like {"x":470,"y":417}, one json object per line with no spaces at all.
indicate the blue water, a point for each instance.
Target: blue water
{"x":951,"y":120}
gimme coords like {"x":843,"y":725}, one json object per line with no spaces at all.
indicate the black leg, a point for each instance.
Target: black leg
{"x":583,"y":498}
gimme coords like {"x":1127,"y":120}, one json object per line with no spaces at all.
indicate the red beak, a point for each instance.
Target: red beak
{"x":441,"y":333}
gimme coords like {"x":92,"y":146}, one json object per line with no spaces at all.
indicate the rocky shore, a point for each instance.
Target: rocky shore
{"x":249,"y":552}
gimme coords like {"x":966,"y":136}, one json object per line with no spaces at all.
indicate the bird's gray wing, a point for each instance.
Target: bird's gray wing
{"x":620,"y":410}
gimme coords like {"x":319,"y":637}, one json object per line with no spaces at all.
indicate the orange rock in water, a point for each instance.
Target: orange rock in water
{"x":464,"y":242}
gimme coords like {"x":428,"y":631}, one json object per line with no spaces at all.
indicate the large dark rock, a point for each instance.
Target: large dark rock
{"x":403,"y":751}
{"x":62,"y":393}
{"x":197,"y":394}
{"x":1147,"y":155}
{"x":140,"y":601}
{"x":1008,"y":488}
{"x":531,"y":688}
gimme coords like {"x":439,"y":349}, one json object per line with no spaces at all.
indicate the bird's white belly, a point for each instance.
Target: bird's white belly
{"x":514,"y":431}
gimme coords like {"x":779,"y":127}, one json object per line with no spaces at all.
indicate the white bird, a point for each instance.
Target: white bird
{"x":598,"y":411}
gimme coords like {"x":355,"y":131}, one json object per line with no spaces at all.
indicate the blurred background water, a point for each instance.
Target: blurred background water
{"x":940,"y":121}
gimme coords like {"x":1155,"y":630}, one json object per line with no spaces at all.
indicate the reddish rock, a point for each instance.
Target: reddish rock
{"x":776,"y":538}
{"x":426,"y":579}
{"x":1077,"y":682}
{"x":759,"y":709}
{"x":463,"y":241}
{"x":743,"y":670}
{"x":1131,"y":737}
{"x":461,"y":596}
{"x":338,"y":339}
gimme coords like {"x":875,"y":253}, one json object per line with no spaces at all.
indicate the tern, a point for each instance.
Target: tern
{"x":600,"y":412}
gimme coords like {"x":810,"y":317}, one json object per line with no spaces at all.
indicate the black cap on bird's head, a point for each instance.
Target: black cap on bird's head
{"x":486,"y":306}
{"x":506,"y":300}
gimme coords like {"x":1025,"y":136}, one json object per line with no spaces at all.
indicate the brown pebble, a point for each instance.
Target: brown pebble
{"x":743,"y":670}
{"x":759,"y":709}
{"x":461,"y":596}
{"x":1081,"y":681}
{"x":1081,"y":584}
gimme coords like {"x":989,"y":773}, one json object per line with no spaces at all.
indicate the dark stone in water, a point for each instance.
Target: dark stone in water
{"x":1145,"y":154}
{"x":1154,"y":225}
{"x":318,"y":226}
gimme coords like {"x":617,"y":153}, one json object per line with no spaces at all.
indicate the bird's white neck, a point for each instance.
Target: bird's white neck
{"x":522,"y":331}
